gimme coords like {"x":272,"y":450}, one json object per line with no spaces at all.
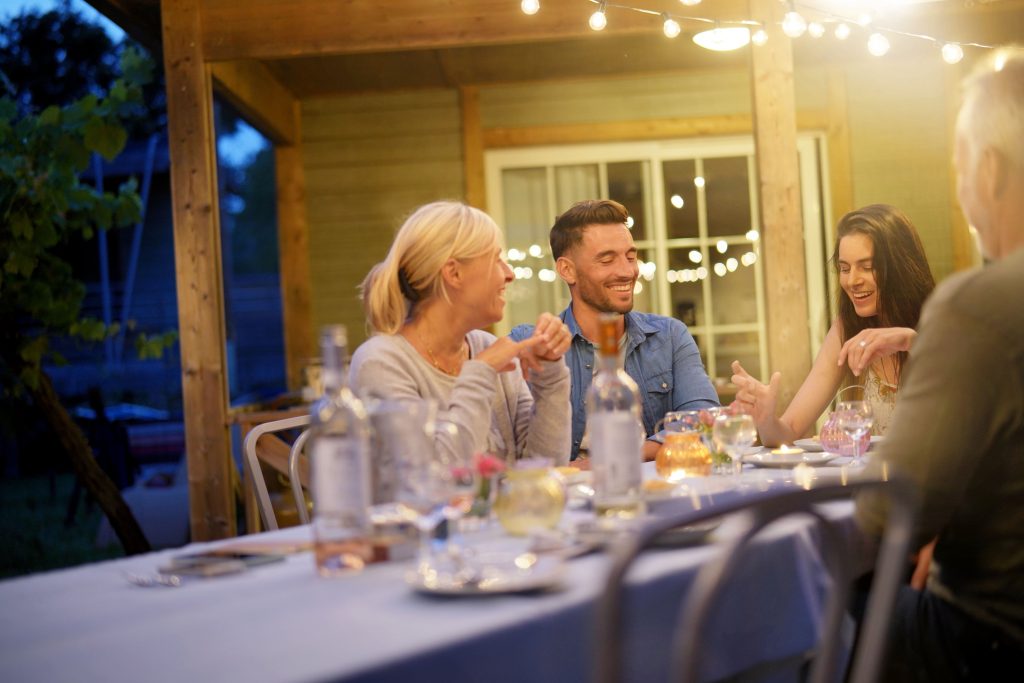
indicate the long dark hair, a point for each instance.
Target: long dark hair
{"x":903,"y":279}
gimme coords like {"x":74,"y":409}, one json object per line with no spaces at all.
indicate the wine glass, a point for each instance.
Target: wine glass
{"x":732,"y":433}
{"x":855,"y":419}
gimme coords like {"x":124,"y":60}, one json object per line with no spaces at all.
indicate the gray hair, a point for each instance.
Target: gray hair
{"x":992,"y":115}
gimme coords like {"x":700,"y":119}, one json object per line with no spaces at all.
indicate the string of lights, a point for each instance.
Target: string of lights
{"x":732,"y":34}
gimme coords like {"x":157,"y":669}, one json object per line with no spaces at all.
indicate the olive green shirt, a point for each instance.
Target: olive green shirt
{"x":958,"y":432}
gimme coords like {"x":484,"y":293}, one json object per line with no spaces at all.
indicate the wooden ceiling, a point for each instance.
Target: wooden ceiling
{"x":322,"y":47}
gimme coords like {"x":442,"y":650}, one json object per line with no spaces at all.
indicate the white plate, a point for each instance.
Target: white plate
{"x":809,"y":445}
{"x":495,"y":577}
{"x":771,"y":460}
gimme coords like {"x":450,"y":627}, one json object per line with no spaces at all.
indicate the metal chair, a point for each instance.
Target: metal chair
{"x":273,"y":451}
{"x":754,"y":514}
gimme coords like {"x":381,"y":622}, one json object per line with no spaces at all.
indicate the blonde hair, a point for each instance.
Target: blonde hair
{"x":411,"y":272}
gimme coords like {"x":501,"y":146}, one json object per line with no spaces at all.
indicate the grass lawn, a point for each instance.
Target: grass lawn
{"x":33,"y":536}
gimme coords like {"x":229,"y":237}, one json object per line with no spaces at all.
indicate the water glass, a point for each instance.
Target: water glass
{"x":855,"y":419}
{"x":733,"y":433}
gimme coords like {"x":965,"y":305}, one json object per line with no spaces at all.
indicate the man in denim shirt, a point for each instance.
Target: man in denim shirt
{"x":595,"y":255}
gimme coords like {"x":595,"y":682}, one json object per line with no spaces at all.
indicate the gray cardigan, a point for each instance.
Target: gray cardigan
{"x":499,"y":411}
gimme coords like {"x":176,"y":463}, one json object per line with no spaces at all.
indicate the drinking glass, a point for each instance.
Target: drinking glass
{"x":733,"y":433}
{"x":855,"y":419}
{"x":425,"y":485}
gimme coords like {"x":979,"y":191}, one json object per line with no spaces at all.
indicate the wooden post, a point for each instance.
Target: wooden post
{"x":472,"y":147}
{"x":778,"y":179}
{"x":293,"y":244}
{"x":839,"y":161}
{"x":197,"y":258}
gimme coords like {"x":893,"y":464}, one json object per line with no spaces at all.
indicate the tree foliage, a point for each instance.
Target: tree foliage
{"x":43,"y":204}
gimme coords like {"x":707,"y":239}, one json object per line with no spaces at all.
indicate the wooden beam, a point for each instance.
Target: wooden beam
{"x":840,"y":162}
{"x":266,"y":29}
{"x":265,"y":103}
{"x":641,"y":129}
{"x":140,"y":20}
{"x":197,"y":258}
{"x":293,"y":247}
{"x":778,"y":179}
{"x":472,"y":148}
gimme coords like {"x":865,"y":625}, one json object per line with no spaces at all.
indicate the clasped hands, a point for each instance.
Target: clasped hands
{"x":549,"y":342}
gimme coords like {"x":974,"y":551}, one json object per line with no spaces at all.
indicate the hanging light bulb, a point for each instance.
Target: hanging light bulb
{"x":759,"y":37}
{"x":690,"y":3}
{"x":793,"y":25}
{"x":670,"y":27}
{"x":723,"y":39}
{"x":815,"y":29}
{"x":842,"y":31}
{"x":952,"y":53}
{"x":864,"y":19}
{"x":597,"y":20}
{"x":529,"y":6}
{"x":878,"y":44}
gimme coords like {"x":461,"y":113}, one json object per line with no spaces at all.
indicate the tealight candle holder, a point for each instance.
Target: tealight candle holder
{"x":787,"y":450}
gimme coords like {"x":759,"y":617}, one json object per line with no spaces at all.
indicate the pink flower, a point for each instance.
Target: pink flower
{"x":488,"y":464}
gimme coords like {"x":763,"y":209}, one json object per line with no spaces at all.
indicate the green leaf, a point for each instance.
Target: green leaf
{"x":32,"y":352}
{"x":107,"y":139}
{"x":21,"y":226}
{"x":50,"y":116}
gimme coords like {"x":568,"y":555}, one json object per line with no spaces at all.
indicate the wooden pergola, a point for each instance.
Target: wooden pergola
{"x":267,"y":56}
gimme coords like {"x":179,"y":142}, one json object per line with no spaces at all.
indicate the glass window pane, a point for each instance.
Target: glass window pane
{"x":645,"y":297}
{"x":685,"y":286}
{"x":727,"y":194}
{"x":575,"y":183}
{"x":733,"y":284}
{"x":741,"y":346}
{"x":626,"y":186}
{"x":526,"y":227}
{"x":680,"y":198}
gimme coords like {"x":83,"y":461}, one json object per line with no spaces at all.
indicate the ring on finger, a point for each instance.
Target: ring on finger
{"x":863,"y":343}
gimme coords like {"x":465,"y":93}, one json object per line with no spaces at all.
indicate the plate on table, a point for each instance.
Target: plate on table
{"x":769,"y":459}
{"x":509,"y":573}
{"x":811,"y":445}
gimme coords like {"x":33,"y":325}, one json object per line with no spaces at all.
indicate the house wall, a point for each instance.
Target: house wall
{"x":370,"y":159}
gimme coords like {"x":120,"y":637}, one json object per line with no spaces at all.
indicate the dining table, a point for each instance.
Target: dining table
{"x":281,"y":622}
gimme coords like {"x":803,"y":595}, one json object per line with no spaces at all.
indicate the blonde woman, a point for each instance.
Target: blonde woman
{"x":442,"y":280}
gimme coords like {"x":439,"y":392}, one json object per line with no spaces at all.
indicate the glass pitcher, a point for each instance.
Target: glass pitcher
{"x":833,"y":438}
{"x":530,"y":496}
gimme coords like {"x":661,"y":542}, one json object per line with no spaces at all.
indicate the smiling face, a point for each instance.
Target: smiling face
{"x":485,"y":278}
{"x":602,"y":270}
{"x":856,"y":273}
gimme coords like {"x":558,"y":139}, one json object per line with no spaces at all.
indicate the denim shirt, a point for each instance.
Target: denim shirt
{"x":661,"y":357}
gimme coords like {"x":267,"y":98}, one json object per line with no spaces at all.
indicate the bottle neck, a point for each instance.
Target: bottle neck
{"x":333,"y":374}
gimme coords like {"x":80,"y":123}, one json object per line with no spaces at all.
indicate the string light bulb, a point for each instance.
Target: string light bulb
{"x":759,"y":37}
{"x":598,"y":20}
{"x":952,"y":53}
{"x":671,"y":27}
{"x":530,"y":6}
{"x":878,"y":45}
{"x":793,"y":25}
{"x":815,"y":29}
{"x":690,"y":3}
{"x":842,"y":31}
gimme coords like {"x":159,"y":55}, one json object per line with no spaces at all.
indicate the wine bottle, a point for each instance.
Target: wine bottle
{"x":339,"y":451}
{"x":615,"y":431}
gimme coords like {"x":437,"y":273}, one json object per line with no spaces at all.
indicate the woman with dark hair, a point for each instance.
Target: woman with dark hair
{"x":884,"y":280}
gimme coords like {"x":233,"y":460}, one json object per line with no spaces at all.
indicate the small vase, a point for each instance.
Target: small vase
{"x":683,"y":455}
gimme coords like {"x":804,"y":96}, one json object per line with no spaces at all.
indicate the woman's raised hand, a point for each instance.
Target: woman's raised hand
{"x":553,"y":341}
{"x":754,"y":397}
{"x":873,"y":343}
{"x":502,"y":353}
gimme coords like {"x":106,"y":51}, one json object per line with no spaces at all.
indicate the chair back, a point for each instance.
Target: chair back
{"x":289,"y":464}
{"x":842,"y":550}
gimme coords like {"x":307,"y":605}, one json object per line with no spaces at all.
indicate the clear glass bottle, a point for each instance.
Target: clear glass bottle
{"x":339,"y":451}
{"x":615,"y":430}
